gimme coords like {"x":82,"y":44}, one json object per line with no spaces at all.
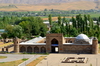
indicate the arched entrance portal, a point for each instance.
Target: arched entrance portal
{"x":54,"y":46}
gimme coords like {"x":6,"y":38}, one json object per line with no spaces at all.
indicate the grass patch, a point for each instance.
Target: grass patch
{"x":2,"y":57}
{"x":94,"y":14}
{"x":35,"y":53}
{"x":13,"y":63}
{"x":24,"y":59}
{"x":35,"y":62}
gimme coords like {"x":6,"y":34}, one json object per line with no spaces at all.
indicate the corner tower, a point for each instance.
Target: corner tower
{"x":95,"y":46}
{"x":16,"y":45}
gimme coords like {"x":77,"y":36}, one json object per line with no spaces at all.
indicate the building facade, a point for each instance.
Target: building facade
{"x":56,"y":43}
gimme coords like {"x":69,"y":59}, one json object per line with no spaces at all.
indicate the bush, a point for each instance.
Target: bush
{"x":24,"y":59}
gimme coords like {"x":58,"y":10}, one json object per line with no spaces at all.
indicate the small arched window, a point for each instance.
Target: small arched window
{"x":70,"y":42}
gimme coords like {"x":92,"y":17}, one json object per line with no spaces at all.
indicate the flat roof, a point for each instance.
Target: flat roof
{"x":32,"y":43}
{"x":75,"y":44}
{"x":35,"y":40}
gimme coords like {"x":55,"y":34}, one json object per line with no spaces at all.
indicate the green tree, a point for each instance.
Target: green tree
{"x":9,"y":30}
{"x":63,"y":29}
{"x":50,"y":19}
{"x":64,"y":20}
{"x":98,"y":23}
{"x":78,"y":19}
{"x":73,"y":32}
{"x":43,"y":30}
{"x":35,"y":28}
{"x":17,"y":31}
{"x":27,"y":27}
{"x":14,"y":31}
{"x":74,"y":22}
{"x":85,"y":22}
{"x":56,"y":29}
{"x":59,"y":20}
{"x":4,"y":36}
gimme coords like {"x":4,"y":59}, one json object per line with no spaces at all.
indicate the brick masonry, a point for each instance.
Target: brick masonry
{"x":62,"y":48}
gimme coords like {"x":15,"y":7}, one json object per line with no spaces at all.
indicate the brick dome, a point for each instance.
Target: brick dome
{"x":82,"y":39}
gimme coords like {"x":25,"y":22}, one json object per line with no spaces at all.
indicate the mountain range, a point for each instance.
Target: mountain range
{"x":38,"y":5}
{"x":39,"y":1}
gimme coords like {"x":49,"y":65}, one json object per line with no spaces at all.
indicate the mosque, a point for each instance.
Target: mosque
{"x":56,"y":43}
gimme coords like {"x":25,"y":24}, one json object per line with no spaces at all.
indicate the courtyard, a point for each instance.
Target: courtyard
{"x":56,"y":60}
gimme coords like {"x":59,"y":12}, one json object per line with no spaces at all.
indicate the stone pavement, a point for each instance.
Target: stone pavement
{"x":13,"y":57}
{"x":56,"y":59}
{"x":29,"y":60}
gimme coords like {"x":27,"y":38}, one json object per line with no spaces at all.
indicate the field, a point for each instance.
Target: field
{"x":80,"y":5}
{"x":53,"y":18}
{"x":13,"y":63}
{"x":35,"y":62}
{"x":95,"y":14}
{"x":70,"y":16}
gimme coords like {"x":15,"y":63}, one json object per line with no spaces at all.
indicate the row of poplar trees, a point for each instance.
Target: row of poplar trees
{"x":76,"y":25}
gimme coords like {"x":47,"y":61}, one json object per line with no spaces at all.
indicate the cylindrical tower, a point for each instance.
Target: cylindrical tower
{"x":95,"y":46}
{"x":16,"y":45}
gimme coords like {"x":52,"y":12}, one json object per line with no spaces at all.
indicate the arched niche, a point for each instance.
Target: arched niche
{"x":36,"y":50}
{"x":29,"y":49}
{"x":22,"y":49}
{"x":43,"y":50}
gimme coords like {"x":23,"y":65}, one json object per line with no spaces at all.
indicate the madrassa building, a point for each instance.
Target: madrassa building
{"x":56,"y":43}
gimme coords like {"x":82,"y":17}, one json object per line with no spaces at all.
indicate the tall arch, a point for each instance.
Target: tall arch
{"x":54,"y":46}
{"x":36,"y":50}
{"x":22,"y":49}
{"x":43,"y":50}
{"x":29,"y":49}
{"x":54,"y":41}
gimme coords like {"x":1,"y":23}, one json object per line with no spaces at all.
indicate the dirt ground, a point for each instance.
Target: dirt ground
{"x":33,"y":63}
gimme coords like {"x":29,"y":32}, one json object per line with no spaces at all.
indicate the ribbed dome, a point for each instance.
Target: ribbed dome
{"x":82,"y":36}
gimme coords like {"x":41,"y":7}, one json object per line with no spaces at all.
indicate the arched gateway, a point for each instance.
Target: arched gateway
{"x":54,"y":46}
